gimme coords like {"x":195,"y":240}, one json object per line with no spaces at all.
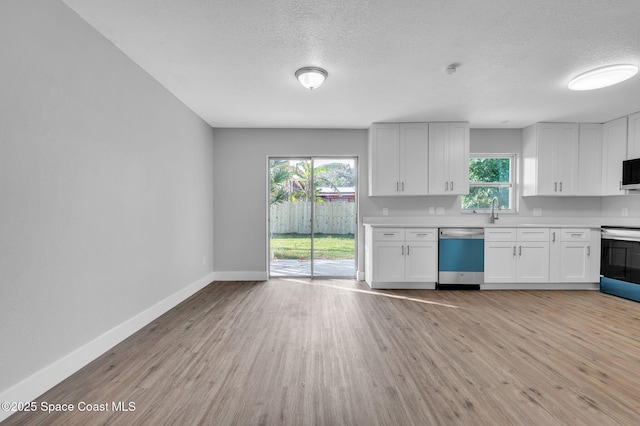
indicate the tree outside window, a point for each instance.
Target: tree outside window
{"x":490,"y":176}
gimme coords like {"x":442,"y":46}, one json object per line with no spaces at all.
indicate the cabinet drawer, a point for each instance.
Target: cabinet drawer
{"x":575,"y":234}
{"x":421,"y":234}
{"x":500,"y":234}
{"x":533,"y":234}
{"x":388,"y":234}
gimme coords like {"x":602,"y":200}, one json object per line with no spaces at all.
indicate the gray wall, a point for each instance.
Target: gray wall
{"x":240,"y":223}
{"x":105,"y":188}
{"x":240,"y":186}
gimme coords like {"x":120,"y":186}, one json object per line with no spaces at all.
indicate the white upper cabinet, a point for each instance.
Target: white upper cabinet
{"x":590,"y":162}
{"x":448,"y":158}
{"x":398,"y":159}
{"x":414,"y":151}
{"x":384,"y":159}
{"x":633,"y":145}
{"x":614,"y":151}
{"x":551,"y":157}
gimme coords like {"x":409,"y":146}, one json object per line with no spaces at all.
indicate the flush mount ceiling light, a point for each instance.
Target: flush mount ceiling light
{"x":603,"y":77}
{"x":311,"y":77}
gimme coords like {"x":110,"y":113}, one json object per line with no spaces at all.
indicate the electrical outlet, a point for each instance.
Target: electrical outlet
{"x":385,"y":211}
{"x":625,"y":212}
{"x":432,"y":210}
{"x":537,"y":212}
{"x":440,"y":211}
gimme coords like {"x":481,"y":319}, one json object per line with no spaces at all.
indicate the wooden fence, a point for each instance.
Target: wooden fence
{"x":330,"y":218}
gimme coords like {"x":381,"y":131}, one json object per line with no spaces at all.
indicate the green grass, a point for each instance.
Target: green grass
{"x":326,"y":246}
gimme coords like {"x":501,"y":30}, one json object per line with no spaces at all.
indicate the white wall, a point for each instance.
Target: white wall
{"x":105,"y":190}
{"x":240,"y":188}
{"x":612,"y":207}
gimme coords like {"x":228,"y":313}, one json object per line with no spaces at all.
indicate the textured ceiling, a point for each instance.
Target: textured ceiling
{"x":233,"y":61}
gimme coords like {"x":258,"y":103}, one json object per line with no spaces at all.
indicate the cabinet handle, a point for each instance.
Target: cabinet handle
{"x":402,"y":186}
{"x":520,"y":251}
{"x":588,"y":250}
{"x":553,"y":237}
{"x":560,"y":186}
{"x":397,"y":187}
{"x":514,"y":250}
{"x":555,"y":186}
{"x":403,"y":250}
{"x":452,"y":185}
{"x":446,"y":186}
{"x":408,"y":246}
{"x":389,"y":235}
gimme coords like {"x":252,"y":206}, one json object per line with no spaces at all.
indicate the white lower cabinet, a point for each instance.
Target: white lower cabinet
{"x":401,"y":257}
{"x":516,"y":255}
{"x":541,"y":258}
{"x":572,"y":258}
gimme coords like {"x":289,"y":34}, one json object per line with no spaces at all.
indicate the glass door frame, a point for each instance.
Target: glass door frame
{"x":312,"y":158}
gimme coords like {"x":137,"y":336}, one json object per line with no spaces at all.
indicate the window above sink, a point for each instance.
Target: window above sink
{"x":491,"y":175}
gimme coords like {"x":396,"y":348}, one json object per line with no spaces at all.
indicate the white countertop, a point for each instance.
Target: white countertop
{"x":505,"y":221}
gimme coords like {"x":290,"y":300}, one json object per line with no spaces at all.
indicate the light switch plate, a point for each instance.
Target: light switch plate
{"x":537,"y":212}
{"x":385,"y":211}
{"x":440,"y":211}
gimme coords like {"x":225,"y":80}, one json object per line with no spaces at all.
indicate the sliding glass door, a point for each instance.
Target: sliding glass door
{"x":312,"y":216}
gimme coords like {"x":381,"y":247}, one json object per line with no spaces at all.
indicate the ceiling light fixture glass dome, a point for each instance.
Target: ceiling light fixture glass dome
{"x":603,"y":77}
{"x":311,"y":77}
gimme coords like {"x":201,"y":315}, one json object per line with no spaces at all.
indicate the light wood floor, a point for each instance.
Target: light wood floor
{"x":332,"y":352}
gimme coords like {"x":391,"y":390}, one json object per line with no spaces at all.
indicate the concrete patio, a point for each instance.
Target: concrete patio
{"x":322,"y":267}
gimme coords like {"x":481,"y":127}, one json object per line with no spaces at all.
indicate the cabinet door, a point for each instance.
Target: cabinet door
{"x":566,"y":159}
{"x":438,"y":158}
{"x":555,"y":251}
{"x":384,"y":159}
{"x":533,"y":262}
{"x":614,"y":151}
{"x":458,"y":158}
{"x":414,"y":161}
{"x":499,"y":261}
{"x":449,"y":158}
{"x":576,"y":262}
{"x":388,"y":261}
{"x":590,"y":159}
{"x":633,"y":145}
{"x":546,"y":139}
{"x":422,"y":262}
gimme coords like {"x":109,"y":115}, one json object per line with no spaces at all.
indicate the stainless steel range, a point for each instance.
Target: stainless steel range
{"x":620,"y":262}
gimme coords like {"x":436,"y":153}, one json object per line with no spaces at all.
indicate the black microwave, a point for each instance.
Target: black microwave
{"x":631,"y":174}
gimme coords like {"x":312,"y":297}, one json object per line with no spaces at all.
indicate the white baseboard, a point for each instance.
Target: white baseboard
{"x":540,"y":286}
{"x":401,"y":286}
{"x":241,"y":276}
{"x":43,"y":380}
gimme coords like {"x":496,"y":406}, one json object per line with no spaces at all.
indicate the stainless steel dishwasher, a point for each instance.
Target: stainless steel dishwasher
{"x":461,"y":258}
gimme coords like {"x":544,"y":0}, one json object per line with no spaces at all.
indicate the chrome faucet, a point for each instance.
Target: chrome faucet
{"x":494,"y":213}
